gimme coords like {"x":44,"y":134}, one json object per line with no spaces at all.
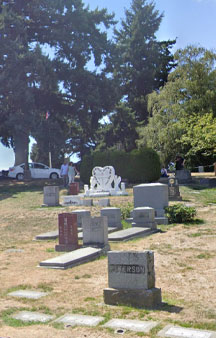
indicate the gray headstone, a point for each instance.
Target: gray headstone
{"x":173,"y":189}
{"x":113,"y":216}
{"x":73,"y":258}
{"x":81,"y":215}
{"x":154,"y":195}
{"x":179,"y":332}
{"x":104,"y":202}
{"x":144,"y":217}
{"x":88,"y":202}
{"x":27,"y":316}
{"x":51,"y":196}
{"x":14,"y":250}
{"x":28,"y":294}
{"x":131,"y":270}
{"x":183,"y":176}
{"x":110,"y":230}
{"x":95,"y":231}
{"x":75,"y":319}
{"x":132,"y":325}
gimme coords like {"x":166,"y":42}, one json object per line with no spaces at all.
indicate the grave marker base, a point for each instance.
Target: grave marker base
{"x":176,"y":198}
{"x":66,"y":247}
{"x":161,"y":220}
{"x":103,"y":247}
{"x":149,"y":298}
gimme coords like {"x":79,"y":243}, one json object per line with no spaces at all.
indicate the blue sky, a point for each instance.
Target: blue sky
{"x":190,"y":21}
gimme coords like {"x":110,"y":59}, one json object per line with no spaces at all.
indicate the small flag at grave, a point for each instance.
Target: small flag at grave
{"x":47,"y":115}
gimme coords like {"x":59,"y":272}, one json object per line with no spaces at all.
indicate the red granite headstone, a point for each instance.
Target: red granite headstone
{"x":68,"y":234}
{"x":74,"y":188}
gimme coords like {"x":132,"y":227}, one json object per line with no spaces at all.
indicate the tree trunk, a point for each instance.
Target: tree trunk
{"x":21,"y":150}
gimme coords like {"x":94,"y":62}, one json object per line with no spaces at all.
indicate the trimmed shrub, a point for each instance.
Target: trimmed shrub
{"x":179,"y":213}
{"x":138,"y":166}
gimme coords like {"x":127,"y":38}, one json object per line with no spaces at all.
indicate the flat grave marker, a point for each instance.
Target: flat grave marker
{"x":27,"y":294}
{"x":127,"y":234}
{"x":76,"y":319}
{"x":182,"y":332}
{"x":132,"y":325}
{"x":48,"y":235}
{"x":28,"y":316}
{"x":72,"y":258}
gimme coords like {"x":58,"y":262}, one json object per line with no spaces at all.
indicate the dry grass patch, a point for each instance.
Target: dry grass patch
{"x":185,"y":267}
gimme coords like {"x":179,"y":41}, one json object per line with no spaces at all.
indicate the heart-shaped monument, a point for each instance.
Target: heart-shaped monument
{"x":103,"y":178}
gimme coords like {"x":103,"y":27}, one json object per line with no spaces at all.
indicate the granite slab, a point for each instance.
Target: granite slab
{"x":182,"y":332}
{"x":72,"y":258}
{"x":132,"y":325}
{"x":126,"y":234}
{"x":27,"y":294}
{"x":28,"y":316}
{"x":76,"y":319}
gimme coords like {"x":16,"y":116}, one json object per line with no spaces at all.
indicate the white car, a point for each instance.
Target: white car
{"x":38,"y":170}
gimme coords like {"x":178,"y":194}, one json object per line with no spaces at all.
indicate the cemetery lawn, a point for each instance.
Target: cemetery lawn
{"x":185,"y":266}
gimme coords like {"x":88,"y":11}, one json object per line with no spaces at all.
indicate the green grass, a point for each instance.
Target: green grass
{"x":45,"y":287}
{"x":58,"y":326}
{"x":89,"y":299}
{"x":6,"y":316}
{"x":201,"y":326}
{"x":125,"y":224}
{"x":50,"y":250}
{"x":206,"y":196}
{"x":205,"y":255}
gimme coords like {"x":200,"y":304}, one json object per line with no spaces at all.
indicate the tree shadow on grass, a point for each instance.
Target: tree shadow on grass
{"x":197,"y":187}
{"x":11,"y":188}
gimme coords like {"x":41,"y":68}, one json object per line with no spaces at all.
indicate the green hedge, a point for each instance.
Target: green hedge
{"x":138,"y":166}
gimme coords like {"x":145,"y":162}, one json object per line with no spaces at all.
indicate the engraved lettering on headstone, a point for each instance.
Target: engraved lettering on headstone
{"x":127,"y":268}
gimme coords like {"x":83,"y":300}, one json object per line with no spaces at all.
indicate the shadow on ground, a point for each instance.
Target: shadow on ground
{"x":10,"y":188}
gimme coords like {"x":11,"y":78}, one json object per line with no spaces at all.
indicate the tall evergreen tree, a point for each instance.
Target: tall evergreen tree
{"x":144,"y":62}
{"x":141,"y":65}
{"x":32,"y":83}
